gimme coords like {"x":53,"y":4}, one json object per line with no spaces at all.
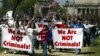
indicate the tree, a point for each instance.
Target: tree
{"x":23,"y":5}
{"x":16,"y":4}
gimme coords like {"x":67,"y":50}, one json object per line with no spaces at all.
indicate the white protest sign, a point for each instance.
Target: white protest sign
{"x":39,"y":26}
{"x":68,"y":38}
{"x":57,"y":22}
{"x":19,"y":41}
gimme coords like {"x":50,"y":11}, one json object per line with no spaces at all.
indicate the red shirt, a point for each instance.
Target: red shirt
{"x":62,"y":26}
{"x":44,"y":35}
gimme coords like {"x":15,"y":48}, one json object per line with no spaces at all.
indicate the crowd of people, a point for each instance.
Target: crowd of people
{"x":46,"y":41}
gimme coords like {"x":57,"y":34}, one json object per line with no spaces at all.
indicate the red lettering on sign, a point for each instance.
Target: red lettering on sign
{"x":67,"y":37}
{"x":5,"y":43}
{"x":74,"y":44}
{"x":40,"y":25}
{"x":61,"y":32}
{"x":16,"y":38}
{"x":11,"y":31}
{"x":16,"y":45}
{"x":71,"y":32}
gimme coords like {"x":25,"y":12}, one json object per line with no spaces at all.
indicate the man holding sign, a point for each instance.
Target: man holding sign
{"x":69,"y":38}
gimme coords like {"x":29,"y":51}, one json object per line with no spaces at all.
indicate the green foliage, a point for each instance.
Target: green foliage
{"x":38,"y":14}
{"x":12,"y":3}
{"x":97,"y":43}
{"x":24,"y":4}
{"x":61,"y":10}
{"x":2,"y":12}
{"x":1,"y":49}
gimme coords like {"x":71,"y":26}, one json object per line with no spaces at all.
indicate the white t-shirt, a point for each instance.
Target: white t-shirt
{"x":87,"y":28}
{"x":3,"y":25}
{"x":11,"y":22}
{"x":30,"y":33}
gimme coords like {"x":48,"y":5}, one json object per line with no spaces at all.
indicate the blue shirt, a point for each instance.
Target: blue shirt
{"x":71,"y":24}
{"x":50,"y":32}
{"x":79,"y":25}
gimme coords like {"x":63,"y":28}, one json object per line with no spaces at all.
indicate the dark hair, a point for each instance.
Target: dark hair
{"x":31,"y":23}
{"x":45,"y":27}
{"x":17,"y":24}
{"x":49,"y":21}
{"x":57,"y":16}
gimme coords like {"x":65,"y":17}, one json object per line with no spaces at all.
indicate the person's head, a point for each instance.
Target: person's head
{"x":45,"y":27}
{"x":57,"y":16}
{"x":5,"y":21}
{"x":16,"y":17}
{"x":31,"y":25}
{"x":79,"y":21}
{"x":51,"y":18}
{"x":64,"y":21}
{"x":1,"y":20}
{"x":86,"y":22}
{"x":27,"y":17}
{"x":49,"y":22}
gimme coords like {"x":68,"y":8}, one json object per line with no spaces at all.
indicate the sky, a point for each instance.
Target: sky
{"x":62,"y":2}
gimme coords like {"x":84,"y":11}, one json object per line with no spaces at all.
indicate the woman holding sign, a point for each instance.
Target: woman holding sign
{"x":30,"y":31}
{"x":4,"y":25}
{"x":78,"y":24}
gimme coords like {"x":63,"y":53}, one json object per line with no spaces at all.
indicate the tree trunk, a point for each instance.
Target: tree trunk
{"x":14,"y":9}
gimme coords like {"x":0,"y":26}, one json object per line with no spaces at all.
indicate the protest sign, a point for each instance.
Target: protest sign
{"x":16,"y":40}
{"x":68,"y":38}
{"x":39,"y":26}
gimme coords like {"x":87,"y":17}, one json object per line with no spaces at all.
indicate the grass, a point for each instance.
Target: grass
{"x":97,"y":42}
{"x":1,"y":49}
